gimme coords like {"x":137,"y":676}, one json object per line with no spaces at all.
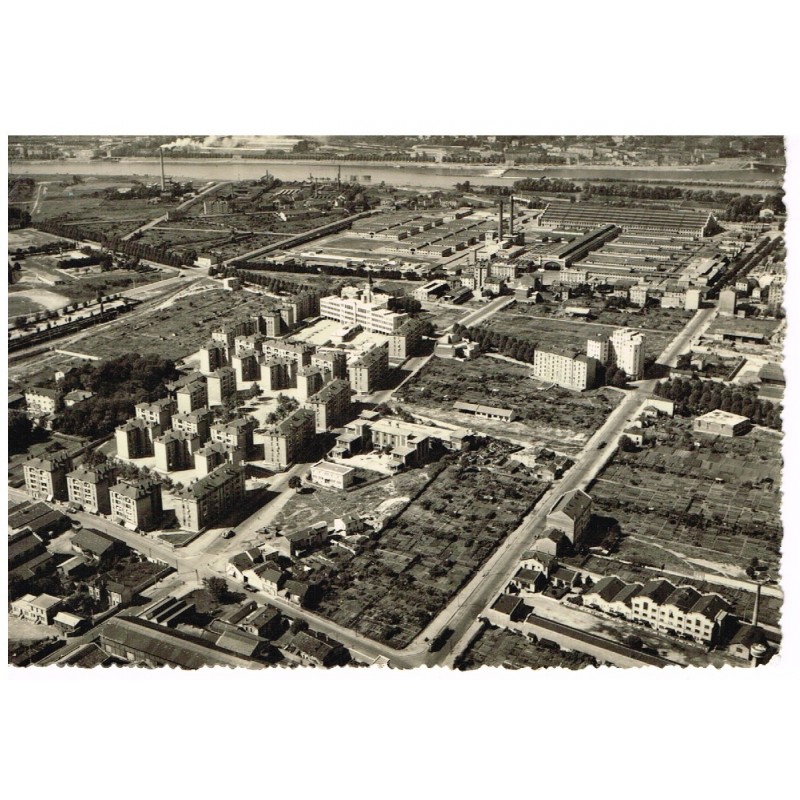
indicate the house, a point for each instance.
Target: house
{"x":332,"y":476}
{"x":299,"y":542}
{"x":563,"y":578}
{"x":264,"y":621}
{"x":40,"y":610}
{"x":298,"y":592}
{"x":539,"y":562}
{"x":529,"y":580}
{"x":571,"y":515}
{"x":239,"y":564}
{"x":507,"y":608}
{"x":317,"y":649}
{"x":749,"y":642}
{"x":267,"y":578}
{"x":75,"y":567}
{"x":70,"y":624}
{"x":556,"y":543}
{"x":721,"y":423}
{"x":96,"y":546}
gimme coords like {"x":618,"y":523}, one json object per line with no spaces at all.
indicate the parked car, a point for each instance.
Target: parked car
{"x":229,"y":534}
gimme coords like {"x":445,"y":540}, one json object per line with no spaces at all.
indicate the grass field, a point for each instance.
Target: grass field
{"x":719,"y":503}
{"x":390,"y":591}
{"x":497,"y":647}
{"x":19,"y":305}
{"x":557,"y":417}
{"x":29,"y":237}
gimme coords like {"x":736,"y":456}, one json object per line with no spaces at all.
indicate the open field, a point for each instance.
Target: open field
{"x":531,"y":323}
{"x":383,"y":499}
{"x":716,"y":505}
{"x":765,"y":327}
{"x":498,"y":647}
{"x":404,"y":578}
{"x":30,"y":237}
{"x":553,"y":416}
{"x":172,"y":332}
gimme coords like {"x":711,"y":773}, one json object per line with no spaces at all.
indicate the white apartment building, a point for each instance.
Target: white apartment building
{"x":627,"y":352}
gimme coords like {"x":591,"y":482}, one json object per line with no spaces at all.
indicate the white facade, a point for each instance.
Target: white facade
{"x":627,"y":352}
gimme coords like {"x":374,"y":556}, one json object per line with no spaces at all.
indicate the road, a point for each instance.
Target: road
{"x":207,"y":555}
{"x":482,"y":314}
{"x":182,"y":207}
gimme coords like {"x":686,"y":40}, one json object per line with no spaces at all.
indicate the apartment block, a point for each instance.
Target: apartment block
{"x":40,"y":400}
{"x":221,"y":385}
{"x":89,"y":486}
{"x":285,"y":441}
{"x":369,"y":372}
{"x":212,"y":357}
{"x":195,"y":422}
{"x":238,"y":434}
{"x":175,"y":451}
{"x":46,"y":477}
{"x":565,"y":368}
{"x":331,"y":405}
{"x":134,"y":439}
{"x":206,"y":500}
{"x":192,"y":396}
{"x":627,"y":352}
{"x":137,"y":504}
{"x":158,"y":413}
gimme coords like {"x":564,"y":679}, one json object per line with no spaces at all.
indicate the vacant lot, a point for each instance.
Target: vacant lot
{"x":405,"y":577}
{"x":498,"y":647}
{"x":533,"y":323}
{"x":558,"y":417}
{"x":714,"y":507}
{"x":383,"y":499}
{"x":172,"y":332}
{"x":30,"y":237}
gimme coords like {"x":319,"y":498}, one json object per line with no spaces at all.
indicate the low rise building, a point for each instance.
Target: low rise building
{"x":331,"y":475}
{"x":721,"y":423}
{"x":41,"y":401}
{"x":40,"y":610}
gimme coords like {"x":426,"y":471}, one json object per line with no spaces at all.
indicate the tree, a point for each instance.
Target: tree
{"x":619,"y":379}
{"x":216,"y":587}
{"x":20,"y":432}
{"x":627,"y":445}
{"x":295,"y":483}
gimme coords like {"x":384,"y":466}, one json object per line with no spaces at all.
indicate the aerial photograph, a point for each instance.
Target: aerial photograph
{"x":463,"y":401}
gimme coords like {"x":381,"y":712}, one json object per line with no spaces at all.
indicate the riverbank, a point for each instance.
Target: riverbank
{"x":415,"y":176}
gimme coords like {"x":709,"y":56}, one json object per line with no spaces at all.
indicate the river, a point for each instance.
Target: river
{"x":418,"y":177}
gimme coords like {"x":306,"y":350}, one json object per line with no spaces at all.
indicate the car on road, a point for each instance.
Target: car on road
{"x":229,"y":534}
{"x":601,"y":445}
{"x":249,"y":588}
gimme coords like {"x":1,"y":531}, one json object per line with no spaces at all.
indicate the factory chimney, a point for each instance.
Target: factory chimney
{"x":511,"y":221}
{"x":756,"y":607}
{"x":500,"y":230}
{"x":163,"y":179}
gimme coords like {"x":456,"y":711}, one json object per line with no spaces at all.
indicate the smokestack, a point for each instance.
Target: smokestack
{"x":163,"y":179}
{"x":756,"y":606}
{"x":511,"y":222}
{"x":500,"y":231}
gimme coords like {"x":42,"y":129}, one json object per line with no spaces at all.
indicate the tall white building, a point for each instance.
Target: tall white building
{"x":627,"y":352}
{"x":362,"y":308}
{"x":598,"y":346}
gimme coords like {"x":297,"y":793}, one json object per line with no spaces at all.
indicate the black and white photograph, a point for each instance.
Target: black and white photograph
{"x":510,"y":401}
{"x":401,"y":400}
